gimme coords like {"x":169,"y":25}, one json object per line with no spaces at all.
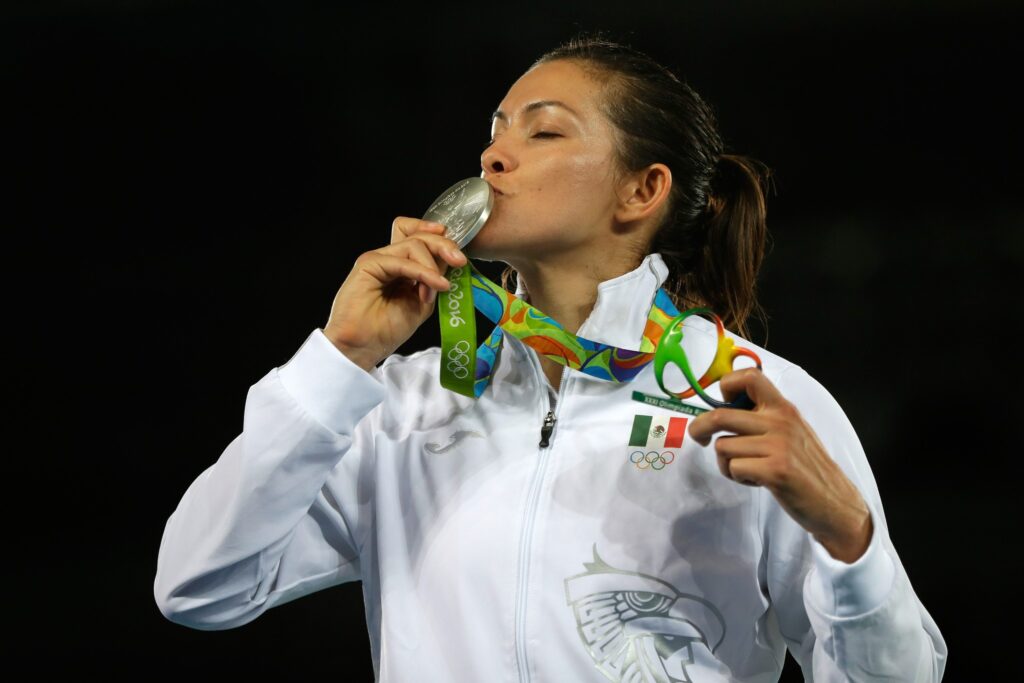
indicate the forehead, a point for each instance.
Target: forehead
{"x":561,"y":81}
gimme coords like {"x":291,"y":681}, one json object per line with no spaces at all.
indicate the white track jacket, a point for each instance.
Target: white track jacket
{"x":486,"y":557}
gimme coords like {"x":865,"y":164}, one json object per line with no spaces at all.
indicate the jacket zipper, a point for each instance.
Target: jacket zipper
{"x":545,"y":430}
{"x":526,"y":539}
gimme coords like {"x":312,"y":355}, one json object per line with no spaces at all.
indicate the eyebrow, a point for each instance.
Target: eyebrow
{"x":532,"y":106}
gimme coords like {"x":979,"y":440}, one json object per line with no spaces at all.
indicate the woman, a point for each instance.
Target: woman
{"x":486,"y":554}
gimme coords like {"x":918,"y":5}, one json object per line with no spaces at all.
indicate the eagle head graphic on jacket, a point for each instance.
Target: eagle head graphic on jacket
{"x":639,"y":628}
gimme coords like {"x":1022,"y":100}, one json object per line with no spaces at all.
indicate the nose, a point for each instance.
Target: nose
{"x":495,"y":159}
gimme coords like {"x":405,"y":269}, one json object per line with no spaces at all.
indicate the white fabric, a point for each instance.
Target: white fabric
{"x":485,"y":557}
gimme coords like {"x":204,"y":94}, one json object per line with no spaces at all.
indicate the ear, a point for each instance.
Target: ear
{"x":644,"y":193}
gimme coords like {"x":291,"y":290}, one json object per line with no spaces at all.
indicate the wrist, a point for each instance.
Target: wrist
{"x":850,"y":546}
{"x":849,"y":589}
{"x":320,"y":379}
{"x":358,"y":356}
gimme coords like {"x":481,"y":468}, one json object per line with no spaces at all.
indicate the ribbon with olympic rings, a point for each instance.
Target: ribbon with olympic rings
{"x":468,"y":370}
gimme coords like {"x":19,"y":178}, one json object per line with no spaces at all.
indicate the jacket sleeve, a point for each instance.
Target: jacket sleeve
{"x":284,"y":510}
{"x":844,"y":622}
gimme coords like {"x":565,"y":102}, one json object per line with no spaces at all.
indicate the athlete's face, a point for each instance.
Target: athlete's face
{"x":553,"y":165}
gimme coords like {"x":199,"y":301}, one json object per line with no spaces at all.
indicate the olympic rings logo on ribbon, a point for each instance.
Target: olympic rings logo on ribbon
{"x":457,"y":363}
{"x":651,"y":459}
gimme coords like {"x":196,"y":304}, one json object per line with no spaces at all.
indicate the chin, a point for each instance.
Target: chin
{"x":484,"y":246}
{"x":482,"y":253}
{"x":498,"y":241}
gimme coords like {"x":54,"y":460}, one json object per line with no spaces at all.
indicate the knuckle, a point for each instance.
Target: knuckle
{"x":789,"y":410}
{"x":415,"y":241}
{"x":790,"y":430}
{"x":428,"y":253}
{"x":421,"y":239}
{"x":780,"y":470}
{"x":723,"y":467}
{"x":779,"y":424}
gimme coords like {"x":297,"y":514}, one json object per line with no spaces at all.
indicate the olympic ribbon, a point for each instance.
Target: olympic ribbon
{"x":467,"y":369}
{"x":459,"y":362}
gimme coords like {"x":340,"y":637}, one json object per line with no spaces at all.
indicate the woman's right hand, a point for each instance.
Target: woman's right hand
{"x":391,"y":291}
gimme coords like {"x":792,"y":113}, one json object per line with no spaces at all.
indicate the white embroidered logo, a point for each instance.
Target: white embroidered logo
{"x":455,"y":438}
{"x":640,"y":629}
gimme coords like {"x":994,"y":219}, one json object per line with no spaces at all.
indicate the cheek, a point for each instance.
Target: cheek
{"x":568,"y":183}
{"x":587,"y":179}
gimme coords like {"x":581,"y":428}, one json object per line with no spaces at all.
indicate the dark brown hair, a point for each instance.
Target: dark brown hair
{"x":714,"y":234}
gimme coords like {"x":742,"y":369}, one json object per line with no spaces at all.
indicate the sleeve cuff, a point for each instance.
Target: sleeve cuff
{"x":328,"y":385}
{"x":845,"y":590}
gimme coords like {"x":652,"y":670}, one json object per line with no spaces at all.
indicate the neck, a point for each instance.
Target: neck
{"x":567,"y":290}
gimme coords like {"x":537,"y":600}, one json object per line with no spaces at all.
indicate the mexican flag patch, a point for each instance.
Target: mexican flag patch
{"x":653,"y":438}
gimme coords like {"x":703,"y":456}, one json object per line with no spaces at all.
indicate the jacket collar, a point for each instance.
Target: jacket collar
{"x":623,"y":304}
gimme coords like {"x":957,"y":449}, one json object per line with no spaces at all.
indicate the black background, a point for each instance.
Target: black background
{"x":191,"y":182}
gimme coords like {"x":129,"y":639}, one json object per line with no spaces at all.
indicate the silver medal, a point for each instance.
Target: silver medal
{"x":463,"y":209}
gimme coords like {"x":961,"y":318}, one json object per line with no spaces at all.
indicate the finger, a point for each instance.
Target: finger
{"x":446,"y":251}
{"x":742,"y":446}
{"x":734,"y":420}
{"x":747,"y":471}
{"x":723,"y":461}
{"x":422,"y":256}
{"x":416,"y":250}
{"x":754,"y":383}
{"x":729,"y":447}
{"x":386,"y":268}
{"x":404,"y":226}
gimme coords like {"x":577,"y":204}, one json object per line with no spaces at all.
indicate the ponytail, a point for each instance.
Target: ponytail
{"x":718,"y":266}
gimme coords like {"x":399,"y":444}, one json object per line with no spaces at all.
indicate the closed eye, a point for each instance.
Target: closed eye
{"x":540,"y":134}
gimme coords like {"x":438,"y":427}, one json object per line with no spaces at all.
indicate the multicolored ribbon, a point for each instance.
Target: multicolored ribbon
{"x":471,"y":289}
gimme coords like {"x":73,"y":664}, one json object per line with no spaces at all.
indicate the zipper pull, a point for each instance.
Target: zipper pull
{"x":545,"y":431}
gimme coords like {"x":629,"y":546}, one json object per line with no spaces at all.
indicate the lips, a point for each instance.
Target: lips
{"x":494,"y":187}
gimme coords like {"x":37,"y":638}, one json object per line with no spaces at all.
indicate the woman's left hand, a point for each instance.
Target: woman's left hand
{"x":773,"y":446}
